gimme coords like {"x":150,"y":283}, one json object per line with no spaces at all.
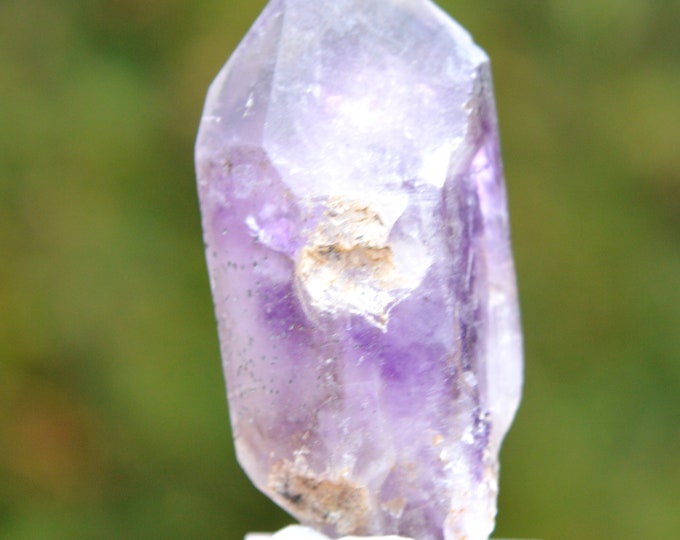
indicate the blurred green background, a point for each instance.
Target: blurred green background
{"x":113,"y":421}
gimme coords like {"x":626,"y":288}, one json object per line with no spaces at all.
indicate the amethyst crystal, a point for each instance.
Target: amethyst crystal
{"x":357,"y":239}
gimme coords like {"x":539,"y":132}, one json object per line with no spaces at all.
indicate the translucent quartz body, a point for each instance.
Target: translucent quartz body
{"x":357,"y":239}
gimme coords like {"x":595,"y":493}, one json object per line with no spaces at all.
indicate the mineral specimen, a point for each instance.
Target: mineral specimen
{"x":357,"y":239}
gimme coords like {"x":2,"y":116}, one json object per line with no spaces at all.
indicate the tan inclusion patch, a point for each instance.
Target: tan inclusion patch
{"x":321,"y":500}
{"x":349,"y":265}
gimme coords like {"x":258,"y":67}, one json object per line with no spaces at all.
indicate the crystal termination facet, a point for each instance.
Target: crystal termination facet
{"x":357,"y":239}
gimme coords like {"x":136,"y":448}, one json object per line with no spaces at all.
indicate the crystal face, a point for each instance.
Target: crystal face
{"x":357,"y":239}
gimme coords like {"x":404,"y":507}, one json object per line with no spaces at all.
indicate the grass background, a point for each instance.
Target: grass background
{"x":113,"y":421}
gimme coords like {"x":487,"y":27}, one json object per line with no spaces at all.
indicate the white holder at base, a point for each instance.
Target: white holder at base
{"x":298,"y":532}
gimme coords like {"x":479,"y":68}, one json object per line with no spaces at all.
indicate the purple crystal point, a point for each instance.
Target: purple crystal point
{"x":357,"y":239}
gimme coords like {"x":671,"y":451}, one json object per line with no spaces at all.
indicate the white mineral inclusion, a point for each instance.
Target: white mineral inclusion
{"x":349,"y":263}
